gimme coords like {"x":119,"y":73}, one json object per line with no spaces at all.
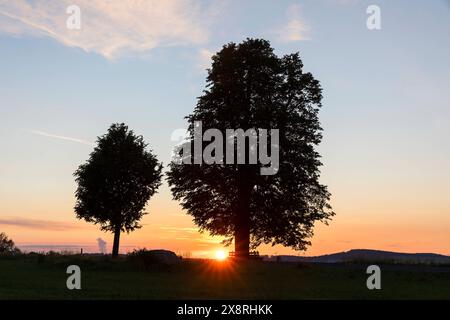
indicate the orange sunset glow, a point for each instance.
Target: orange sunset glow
{"x":384,"y":110}
{"x":166,"y":226}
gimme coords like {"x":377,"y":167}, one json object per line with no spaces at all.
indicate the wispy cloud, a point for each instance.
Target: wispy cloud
{"x":175,"y":229}
{"x":204,"y":59}
{"x":295,"y":29}
{"x":210,"y":240}
{"x":112,"y":27}
{"x":45,"y":225}
{"x":50,"y":135}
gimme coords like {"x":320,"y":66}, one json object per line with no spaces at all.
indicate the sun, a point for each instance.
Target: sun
{"x":221,"y":255}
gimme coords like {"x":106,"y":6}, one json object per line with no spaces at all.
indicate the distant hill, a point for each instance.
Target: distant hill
{"x":366,"y":255}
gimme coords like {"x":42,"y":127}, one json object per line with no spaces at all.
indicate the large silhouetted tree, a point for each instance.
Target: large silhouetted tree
{"x":249,"y":87}
{"x":116,"y":182}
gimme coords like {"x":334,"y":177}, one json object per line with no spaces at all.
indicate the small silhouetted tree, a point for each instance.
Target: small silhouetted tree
{"x":116,"y":182}
{"x":249,"y":87}
{"x":7,"y":245}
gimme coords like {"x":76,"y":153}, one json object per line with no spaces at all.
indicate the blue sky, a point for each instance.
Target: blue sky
{"x":385,"y":109}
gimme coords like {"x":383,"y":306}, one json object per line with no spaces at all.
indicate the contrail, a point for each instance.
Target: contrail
{"x":45,"y":134}
{"x":39,"y":27}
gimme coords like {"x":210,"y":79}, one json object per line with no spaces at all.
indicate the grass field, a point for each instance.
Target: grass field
{"x":45,"y":278}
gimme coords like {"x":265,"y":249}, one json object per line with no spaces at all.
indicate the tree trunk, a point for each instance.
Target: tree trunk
{"x":242,"y":218}
{"x":115,"y":251}
{"x":242,"y":239}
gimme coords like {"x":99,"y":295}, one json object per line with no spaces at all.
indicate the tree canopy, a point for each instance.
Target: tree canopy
{"x":7,"y":245}
{"x":249,"y":87}
{"x":116,"y":182}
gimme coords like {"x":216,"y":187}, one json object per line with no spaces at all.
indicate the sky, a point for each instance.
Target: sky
{"x":386,"y":105}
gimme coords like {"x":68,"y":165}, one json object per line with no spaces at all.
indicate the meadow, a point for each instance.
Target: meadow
{"x":44,"y":277}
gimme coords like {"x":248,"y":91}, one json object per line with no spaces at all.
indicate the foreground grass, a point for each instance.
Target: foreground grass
{"x":37,"y":278}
